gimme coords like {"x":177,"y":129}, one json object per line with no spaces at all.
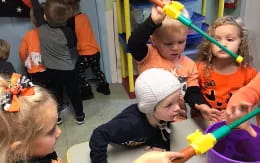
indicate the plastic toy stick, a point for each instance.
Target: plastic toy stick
{"x":173,"y":10}
{"x":200,"y":143}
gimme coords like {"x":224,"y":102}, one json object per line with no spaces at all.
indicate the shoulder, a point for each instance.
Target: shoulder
{"x":81,"y":17}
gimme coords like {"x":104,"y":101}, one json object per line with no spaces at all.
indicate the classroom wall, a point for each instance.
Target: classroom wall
{"x":250,"y":13}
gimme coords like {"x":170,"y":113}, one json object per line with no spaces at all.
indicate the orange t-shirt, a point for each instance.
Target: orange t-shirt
{"x":185,"y":69}
{"x":30,"y":51}
{"x":218,"y":88}
{"x":86,"y":41}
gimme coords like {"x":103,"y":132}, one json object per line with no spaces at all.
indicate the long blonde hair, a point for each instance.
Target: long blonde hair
{"x":243,"y":50}
{"x":24,"y":125}
{"x":205,"y":54}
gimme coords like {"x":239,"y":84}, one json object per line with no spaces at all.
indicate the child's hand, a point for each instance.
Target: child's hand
{"x":161,"y":157}
{"x":238,"y":111}
{"x":157,"y":13}
{"x":210,"y":114}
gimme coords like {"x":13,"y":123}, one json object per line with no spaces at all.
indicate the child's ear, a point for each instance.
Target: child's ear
{"x":17,"y":147}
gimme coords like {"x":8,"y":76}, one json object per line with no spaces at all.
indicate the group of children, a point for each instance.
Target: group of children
{"x":29,"y":112}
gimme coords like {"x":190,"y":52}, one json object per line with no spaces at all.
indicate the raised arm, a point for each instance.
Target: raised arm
{"x":139,"y":37}
{"x":38,"y":13}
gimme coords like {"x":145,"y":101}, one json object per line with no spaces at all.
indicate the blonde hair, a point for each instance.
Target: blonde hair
{"x":24,"y":125}
{"x":4,"y":50}
{"x":205,"y":53}
{"x":170,"y":24}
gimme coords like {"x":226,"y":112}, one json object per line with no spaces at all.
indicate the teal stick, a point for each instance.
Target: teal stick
{"x":224,"y":130}
{"x":188,"y":23}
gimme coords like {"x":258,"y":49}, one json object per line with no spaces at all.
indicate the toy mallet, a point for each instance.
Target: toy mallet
{"x":200,"y":143}
{"x":174,"y":9}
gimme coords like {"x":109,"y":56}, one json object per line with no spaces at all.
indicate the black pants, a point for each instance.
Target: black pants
{"x":40,"y":78}
{"x":93,"y":62}
{"x":60,"y":79}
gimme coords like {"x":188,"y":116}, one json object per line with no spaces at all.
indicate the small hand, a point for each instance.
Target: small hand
{"x":210,"y":114}
{"x":157,"y":13}
{"x":161,"y":157}
{"x":238,"y":111}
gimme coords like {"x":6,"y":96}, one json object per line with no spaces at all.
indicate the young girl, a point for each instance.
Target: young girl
{"x":28,"y":117}
{"x":219,"y":74}
{"x":30,"y":55}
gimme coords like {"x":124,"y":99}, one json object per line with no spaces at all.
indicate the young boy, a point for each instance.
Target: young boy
{"x":145,"y":122}
{"x":89,"y":52}
{"x":59,"y":52}
{"x":168,"y":37}
{"x":5,"y":66}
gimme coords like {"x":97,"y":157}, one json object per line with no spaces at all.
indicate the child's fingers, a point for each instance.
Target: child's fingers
{"x":251,"y":131}
{"x":174,"y":155}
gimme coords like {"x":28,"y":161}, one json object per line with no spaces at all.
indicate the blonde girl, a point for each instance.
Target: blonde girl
{"x":28,"y":118}
{"x":220,"y":76}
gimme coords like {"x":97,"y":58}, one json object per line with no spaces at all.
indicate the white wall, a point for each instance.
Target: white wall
{"x":250,"y":13}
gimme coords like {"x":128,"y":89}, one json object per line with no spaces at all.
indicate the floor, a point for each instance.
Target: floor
{"x":98,"y":111}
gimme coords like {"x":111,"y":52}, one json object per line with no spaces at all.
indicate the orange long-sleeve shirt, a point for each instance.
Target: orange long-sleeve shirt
{"x":29,"y":48}
{"x":185,"y":68}
{"x":218,"y":88}
{"x":86,"y":41}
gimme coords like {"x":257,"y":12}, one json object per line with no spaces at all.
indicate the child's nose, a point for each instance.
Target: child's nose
{"x":175,"y":109}
{"x":58,"y":132}
{"x":174,"y":47}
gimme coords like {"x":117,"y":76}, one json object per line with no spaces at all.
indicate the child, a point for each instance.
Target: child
{"x":145,"y":122}
{"x":168,"y":37}
{"x":88,"y":50}
{"x":30,"y":55}
{"x":28,"y":118}
{"x":158,"y":157}
{"x":244,"y":99}
{"x":59,"y":53}
{"x":219,"y":74}
{"x":5,"y":66}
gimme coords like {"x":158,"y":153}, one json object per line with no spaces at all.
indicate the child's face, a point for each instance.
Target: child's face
{"x":229,"y":36}
{"x":170,"y":45}
{"x":168,"y":108}
{"x":44,"y":144}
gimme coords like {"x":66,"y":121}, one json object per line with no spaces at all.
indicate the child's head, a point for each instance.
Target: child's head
{"x":57,"y":11}
{"x":28,"y":122}
{"x":158,"y":93}
{"x":231,"y":33}
{"x":4,"y":50}
{"x":170,"y":38}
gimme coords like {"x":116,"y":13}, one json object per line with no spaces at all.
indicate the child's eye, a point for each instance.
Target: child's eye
{"x":52,"y":131}
{"x":168,"y":44}
{"x":230,"y":39}
{"x":181,"y":42}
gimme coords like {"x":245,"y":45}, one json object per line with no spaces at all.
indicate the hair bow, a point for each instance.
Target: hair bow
{"x":19,"y":86}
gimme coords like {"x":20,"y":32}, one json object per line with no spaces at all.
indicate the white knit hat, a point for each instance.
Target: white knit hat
{"x":152,"y":86}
